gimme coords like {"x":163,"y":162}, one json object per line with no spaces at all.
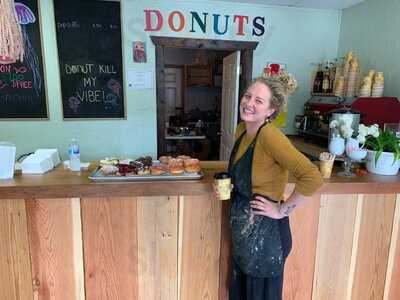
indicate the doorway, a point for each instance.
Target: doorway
{"x":198,"y":83}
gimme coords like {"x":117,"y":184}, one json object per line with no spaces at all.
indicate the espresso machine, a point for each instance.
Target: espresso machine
{"x":313,"y":125}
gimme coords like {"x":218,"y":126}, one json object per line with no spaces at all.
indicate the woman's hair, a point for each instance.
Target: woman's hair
{"x":279,"y":93}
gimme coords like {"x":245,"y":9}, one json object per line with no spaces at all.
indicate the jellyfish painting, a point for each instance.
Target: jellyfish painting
{"x":24,"y":14}
{"x":11,"y":44}
{"x":25,"y":17}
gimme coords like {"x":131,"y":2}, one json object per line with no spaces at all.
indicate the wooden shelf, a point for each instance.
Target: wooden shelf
{"x":198,"y":75}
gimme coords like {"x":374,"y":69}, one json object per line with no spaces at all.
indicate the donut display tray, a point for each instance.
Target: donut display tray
{"x":98,"y":176}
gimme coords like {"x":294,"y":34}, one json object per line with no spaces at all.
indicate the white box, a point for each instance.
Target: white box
{"x":7,"y":160}
{"x":53,"y":153}
{"x":37,"y":164}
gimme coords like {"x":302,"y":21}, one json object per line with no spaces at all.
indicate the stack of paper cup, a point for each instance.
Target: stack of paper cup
{"x":365,"y":88}
{"x":378,"y":85}
{"x":371,"y":73}
{"x":338,"y":89}
{"x":352,"y":78}
{"x":346,"y":68}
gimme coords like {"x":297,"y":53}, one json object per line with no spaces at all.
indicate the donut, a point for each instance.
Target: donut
{"x":108,"y":170}
{"x":157,"y":170}
{"x":109,"y":161}
{"x":184,"y":157}
{"x":194,"y":168}
{"x":190,"y":161}
{"x":176,"y":170}
{"x":142,"y":172}
{"x":164,"y":159}
{"x":146,"y":161}
{"x":175,"y":162}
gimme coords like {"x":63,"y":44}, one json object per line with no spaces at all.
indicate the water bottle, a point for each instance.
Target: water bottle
{"x":74,"y":156}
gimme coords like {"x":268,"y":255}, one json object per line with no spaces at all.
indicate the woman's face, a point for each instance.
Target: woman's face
{"x":255,"y":105}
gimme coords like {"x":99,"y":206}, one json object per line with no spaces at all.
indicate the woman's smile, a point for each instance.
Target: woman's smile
{"x":248,"y":110}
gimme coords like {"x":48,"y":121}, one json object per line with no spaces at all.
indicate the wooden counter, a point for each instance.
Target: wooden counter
{"x":64,"y":237}
{"x":63,"y":183}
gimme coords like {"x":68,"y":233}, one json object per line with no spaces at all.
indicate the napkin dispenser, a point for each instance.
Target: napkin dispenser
{"x":40,"y":162}
{"x":7,"y":160}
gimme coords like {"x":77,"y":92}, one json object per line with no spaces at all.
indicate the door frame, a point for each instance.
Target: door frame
{"x":246,"y":57}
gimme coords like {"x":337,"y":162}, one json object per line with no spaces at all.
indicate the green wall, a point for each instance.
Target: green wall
{"x":370,"y":29}
{"x":295,"y":36}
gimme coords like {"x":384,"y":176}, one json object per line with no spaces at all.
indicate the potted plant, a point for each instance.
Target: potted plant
{"x":383,"y":149}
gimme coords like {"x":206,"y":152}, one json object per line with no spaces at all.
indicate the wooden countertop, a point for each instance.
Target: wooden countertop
{"x":61,"y":183}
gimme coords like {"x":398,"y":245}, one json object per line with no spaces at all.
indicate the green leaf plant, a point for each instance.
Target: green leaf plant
{"x":387,"y":141}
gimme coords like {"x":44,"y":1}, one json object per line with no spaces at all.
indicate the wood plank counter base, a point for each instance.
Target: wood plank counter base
{"x":64,"y":237}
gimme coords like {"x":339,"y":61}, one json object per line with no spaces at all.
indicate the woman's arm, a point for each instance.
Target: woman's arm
{"x":267,"y":208}
{"x":307,"y":177}
{"x":295,"y":199}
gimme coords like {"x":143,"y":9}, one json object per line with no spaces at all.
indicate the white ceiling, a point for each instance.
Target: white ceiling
{"x":323,"y":4}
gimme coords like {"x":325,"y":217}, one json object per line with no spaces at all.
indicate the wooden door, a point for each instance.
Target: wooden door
{"x":229,"y":105}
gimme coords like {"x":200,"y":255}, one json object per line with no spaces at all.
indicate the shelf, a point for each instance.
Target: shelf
{"x":198,"y":75}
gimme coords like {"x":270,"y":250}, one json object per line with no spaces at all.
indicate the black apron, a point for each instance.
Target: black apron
{"x":257,"y":245}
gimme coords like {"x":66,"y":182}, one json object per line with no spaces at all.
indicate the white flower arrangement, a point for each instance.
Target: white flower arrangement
{"x":342,"y":126}
{"x":364,"y":131}
{"x":334,"y":124}
{"x":380,"y":141}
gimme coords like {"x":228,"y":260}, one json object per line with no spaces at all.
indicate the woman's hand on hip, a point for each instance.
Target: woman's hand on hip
{"x":263,"y":207}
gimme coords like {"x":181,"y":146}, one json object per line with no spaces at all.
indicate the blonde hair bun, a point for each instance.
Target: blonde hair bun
{"x":287,"y":80}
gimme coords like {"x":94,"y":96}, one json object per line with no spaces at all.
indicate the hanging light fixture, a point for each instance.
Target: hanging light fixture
{"x":11,"y":42}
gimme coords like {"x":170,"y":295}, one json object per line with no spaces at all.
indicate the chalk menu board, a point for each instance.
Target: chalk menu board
{"x":90,"y":58}
{"x":22,"y":87}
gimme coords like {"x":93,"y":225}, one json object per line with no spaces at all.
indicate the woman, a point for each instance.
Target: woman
{"x":259,"y":165}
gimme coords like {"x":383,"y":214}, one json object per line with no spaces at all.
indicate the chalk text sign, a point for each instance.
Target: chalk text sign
{"x":90,"y":59}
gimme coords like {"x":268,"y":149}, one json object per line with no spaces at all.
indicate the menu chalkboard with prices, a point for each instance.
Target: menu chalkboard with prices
{"x":22,"y":86}
{"x":90,"y":58}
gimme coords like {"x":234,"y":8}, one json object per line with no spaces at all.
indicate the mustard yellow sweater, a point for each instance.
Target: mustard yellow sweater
{"x":274,"y":157}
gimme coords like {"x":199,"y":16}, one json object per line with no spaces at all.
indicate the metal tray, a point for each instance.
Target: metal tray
{"x":98,"y":176}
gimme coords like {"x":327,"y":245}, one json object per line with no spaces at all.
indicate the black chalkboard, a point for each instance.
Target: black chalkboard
{"x":22,"y":87}
{"x":90,"y":58}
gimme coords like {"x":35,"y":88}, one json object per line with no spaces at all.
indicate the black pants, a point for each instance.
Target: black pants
{"x":245,"y":287}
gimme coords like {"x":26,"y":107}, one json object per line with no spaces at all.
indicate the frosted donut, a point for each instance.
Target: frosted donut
{"x":194,"y":168}
{"x":157,"y":170}
{"x":176,"y":170}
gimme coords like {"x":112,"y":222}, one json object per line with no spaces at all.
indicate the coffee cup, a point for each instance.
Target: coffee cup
{"x":223,"y":184}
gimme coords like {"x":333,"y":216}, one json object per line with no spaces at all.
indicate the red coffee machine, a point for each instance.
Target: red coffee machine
{"x":314,"y":123}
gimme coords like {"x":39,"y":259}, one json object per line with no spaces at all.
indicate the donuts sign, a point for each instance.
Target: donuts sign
{"x":196,"y":22}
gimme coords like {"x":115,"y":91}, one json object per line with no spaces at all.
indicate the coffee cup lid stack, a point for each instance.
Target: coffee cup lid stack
{"x":221,"y":175}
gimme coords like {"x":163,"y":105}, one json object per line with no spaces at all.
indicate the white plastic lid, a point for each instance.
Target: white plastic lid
{"x":4,"y":143}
